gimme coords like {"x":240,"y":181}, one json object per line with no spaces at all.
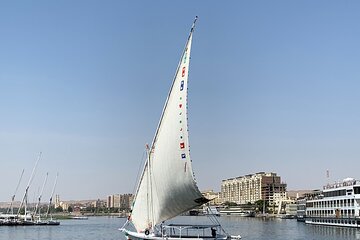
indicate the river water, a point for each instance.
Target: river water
{"x":106,"y":228}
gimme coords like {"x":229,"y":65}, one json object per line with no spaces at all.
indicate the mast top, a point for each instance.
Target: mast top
{"x":193,"y":26}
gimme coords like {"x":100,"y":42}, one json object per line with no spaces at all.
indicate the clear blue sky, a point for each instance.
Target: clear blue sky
{"x":274,"y":86}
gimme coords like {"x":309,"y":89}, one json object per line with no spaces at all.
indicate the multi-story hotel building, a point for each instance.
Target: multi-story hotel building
{"x":119,"y":201}
{"x":253,"y":187}
{"x":113,"y":201}
{"x":126,"y":201}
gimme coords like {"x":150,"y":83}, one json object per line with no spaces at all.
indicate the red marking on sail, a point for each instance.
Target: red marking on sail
{"x":180,"y":105}
{"x":182,"y":145}
{"x":183,"y":72}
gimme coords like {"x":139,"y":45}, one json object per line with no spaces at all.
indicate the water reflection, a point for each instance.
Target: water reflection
{"x":249,"y":228}
{"x":335,"y":232}
{"x":279,"y":229}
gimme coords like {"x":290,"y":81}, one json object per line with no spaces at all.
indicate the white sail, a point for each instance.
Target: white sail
{"x":167,"y":187}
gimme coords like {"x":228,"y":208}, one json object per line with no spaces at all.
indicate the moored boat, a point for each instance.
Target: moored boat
{"x":337,"y":205}
{"x":237,"y":212}
{"x":80,"y":218}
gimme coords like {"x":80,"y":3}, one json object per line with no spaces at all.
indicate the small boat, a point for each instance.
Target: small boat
{"x":40,"y":222}
{"x":287,"y":216}
{"x":52,"y":222}
{"x":80,"y":218}
{"x":167,"y":187}
{"x":237,"y":212}
{"x":36,"y":218}
{"x":211,"y":210}
{"x":29,"y":218}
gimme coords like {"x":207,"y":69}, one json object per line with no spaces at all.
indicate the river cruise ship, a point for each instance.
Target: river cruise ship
{"x":337,"y":205}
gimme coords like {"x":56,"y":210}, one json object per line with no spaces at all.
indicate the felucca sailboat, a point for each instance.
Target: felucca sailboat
{"x":167,"y":187}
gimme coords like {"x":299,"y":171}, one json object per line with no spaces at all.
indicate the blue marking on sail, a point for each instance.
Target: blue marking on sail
{"x":182,"y":85}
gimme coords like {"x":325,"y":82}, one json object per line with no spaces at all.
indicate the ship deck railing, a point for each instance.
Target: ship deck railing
{"x":191,"y":231}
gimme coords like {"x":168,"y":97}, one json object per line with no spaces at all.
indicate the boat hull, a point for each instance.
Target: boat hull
{"x":336,"y":205}
{"x":142,"y":236}
{"x":53,"y":223}
{"x":237,"y":213}
{"x":338,"y":222}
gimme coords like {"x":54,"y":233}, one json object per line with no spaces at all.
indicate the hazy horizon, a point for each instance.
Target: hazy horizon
{"x":273,"y":87}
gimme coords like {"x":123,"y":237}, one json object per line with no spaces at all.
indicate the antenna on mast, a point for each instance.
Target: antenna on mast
{"x":327,"y":175}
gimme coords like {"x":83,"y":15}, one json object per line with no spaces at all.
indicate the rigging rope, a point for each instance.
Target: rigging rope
{"x":142,"y":163}
{"x":213,"y":219}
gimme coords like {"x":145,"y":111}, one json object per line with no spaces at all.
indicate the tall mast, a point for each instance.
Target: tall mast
{"x":148,"y":195}
{"x":11,"y":207}
{"x":39,"y":199}
{"x":28,"y":185}
{"x":52,"y":193}
{"x":150,"y":213}
{"x":165,"y":152}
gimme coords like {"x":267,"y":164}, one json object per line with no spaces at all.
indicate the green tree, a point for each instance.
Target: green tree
{"x":70,"y":209}
{"x":261,"y":205}
{"x":58,"y":209}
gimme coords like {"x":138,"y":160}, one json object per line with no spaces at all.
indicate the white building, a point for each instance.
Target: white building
{"x":253,"y":187}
